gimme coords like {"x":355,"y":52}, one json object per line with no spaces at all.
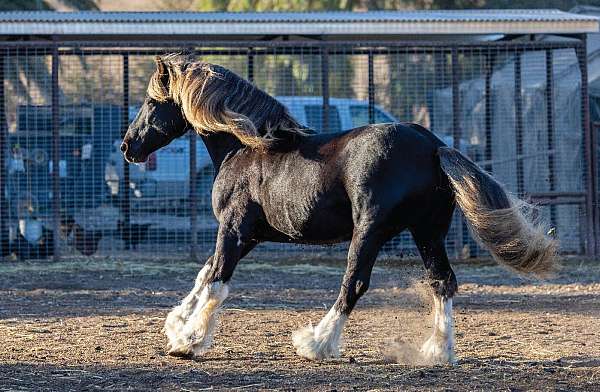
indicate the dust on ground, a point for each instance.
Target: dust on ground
{"x":96,"y":325}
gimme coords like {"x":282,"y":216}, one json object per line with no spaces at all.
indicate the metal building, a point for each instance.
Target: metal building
{"x":507,"y":87}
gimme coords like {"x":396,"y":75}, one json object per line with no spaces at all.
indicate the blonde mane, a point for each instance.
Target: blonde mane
{"x":214,"y":99}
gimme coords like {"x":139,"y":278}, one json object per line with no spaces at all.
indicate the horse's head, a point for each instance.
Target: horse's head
{"x":157,"y":123}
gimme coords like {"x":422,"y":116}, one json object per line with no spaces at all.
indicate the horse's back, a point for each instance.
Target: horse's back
{"x":315,"y":191}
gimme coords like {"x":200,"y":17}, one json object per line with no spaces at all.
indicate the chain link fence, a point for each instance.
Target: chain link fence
{"x":519,"y":109}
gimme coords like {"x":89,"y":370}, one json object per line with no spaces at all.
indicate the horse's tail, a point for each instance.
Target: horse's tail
{"x":501,"y":223}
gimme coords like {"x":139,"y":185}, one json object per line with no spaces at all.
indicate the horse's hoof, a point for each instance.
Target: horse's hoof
{"x":434,"y":352}
{"x":315,"y":348}
{"x":182,"y":355}
{"x":180,"y":352}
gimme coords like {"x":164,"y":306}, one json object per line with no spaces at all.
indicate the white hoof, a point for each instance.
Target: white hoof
{"x":311,"y":346}
{"x":188,"y":347}
{"x":193,"y":336}
{"x":438,"y":350}
{"x":322,"y":341}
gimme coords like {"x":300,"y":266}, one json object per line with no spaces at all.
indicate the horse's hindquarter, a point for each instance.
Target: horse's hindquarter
{"x":391,"y":174}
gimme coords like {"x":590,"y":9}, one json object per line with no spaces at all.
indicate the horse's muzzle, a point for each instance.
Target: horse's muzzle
{"x":132,"y":151}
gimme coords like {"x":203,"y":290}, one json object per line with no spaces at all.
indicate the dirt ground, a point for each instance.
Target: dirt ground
{"x":96,"y":325}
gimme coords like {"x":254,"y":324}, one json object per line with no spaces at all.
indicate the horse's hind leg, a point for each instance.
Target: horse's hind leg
{"x":323,"y":341}
{"x":439,"y":348}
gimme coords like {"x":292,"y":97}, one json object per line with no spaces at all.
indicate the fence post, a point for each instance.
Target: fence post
{"x":519,"y":124}
{"x":325,"y":88}
{"x":550,"y":127}
{"x":456,"y":131}
{"x":594,"y":129}
{"x":371,"y":72}
{"x":55,"y":153}
{"x":4,"y":237}
{"x":457,"y":134}
{"x":590,"y":145}
{"x":250,"y":65}
{"x":490,"y":59}
{"x":124,"y":187}
{"x":193,"y":198}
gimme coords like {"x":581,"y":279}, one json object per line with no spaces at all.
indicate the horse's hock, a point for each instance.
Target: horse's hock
{"x":519,"y":108}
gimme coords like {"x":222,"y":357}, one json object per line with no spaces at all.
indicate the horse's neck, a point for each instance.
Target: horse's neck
{"x":219,"y":145}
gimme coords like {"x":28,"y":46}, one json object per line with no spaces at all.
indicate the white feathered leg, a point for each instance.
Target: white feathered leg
{"x":196,"y":335}
{"x":322,"y":341}
{"x":177,"y":317}
{"x":439,"y":348}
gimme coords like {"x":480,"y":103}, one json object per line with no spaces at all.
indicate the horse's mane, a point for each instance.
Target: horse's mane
{"x":214,"y":99}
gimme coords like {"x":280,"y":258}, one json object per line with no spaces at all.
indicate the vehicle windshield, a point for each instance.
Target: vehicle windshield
{"x":314,"y":118}
{"x":360,"y":115}
{"x":73,"y":120}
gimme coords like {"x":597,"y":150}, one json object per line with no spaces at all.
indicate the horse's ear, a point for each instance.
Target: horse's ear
{"x":161,"y":69}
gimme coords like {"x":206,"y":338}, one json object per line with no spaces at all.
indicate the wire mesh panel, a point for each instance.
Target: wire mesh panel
{"x":514,"y":108}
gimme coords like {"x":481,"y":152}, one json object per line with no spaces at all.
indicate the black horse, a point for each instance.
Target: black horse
{"x":277,"y":181}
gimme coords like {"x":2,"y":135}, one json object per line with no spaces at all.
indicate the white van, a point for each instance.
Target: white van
{"x":166,"y":174}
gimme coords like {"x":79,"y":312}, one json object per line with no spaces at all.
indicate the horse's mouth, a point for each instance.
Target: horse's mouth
{"x":135,"y":159}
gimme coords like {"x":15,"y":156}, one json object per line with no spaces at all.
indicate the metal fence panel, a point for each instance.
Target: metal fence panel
{"x":518,"y":109}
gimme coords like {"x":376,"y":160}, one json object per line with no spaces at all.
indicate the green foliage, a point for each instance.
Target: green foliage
{"x":44,"y":5}
{"x":272,"y":5}
{"x":25,"y":5}
{"x":304,"y":5}
{"x":81,"y":4}
{"x":321,"y":5}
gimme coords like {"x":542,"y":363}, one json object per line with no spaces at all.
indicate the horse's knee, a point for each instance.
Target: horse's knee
{"x":220,"y":271}
{"x":352,"y":290}
{"x":444,"y":285}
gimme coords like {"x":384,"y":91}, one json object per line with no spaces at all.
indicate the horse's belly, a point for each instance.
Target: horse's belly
{"x":319,"y":220}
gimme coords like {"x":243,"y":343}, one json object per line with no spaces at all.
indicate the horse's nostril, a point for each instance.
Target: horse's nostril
{"x":124,"y":147}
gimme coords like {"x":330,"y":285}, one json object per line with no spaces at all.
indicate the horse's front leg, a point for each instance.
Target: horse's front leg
{"x":177,"y":317}
{"x":189,"y":327}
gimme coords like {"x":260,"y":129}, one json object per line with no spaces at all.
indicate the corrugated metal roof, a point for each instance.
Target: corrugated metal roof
{"x":536,"y":15}
{"x":322,"y":23}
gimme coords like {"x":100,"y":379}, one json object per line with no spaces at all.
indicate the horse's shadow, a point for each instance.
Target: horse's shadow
{"x":570,"y":362}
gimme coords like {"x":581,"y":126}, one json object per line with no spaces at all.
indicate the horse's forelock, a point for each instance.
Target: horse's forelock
{"x":172,"y":66}
{"x":156,"y":88}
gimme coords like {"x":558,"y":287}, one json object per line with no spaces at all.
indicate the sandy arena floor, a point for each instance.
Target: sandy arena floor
{"x":96,"y":325}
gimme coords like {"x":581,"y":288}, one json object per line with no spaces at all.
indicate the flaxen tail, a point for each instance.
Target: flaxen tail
{"x":502,"y":224}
